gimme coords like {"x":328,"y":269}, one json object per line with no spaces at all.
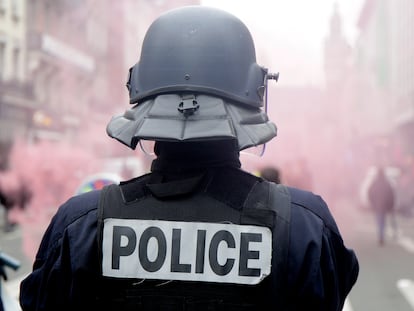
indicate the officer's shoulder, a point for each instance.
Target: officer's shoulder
{"x":77,"y":207}
{"x":313,"y":203}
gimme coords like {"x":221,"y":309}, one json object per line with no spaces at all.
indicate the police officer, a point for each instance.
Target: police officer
{"x":197,"y":233}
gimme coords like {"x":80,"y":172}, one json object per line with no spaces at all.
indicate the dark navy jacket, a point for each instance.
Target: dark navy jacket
{"x":321,"y":270}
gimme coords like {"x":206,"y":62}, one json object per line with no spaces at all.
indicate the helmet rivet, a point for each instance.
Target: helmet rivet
{"x":187,"y":77}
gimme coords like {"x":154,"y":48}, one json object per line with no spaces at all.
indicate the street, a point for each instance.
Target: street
{"x":386,"y":279}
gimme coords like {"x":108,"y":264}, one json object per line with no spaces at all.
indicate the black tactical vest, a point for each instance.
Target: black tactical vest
{"x":203,"y":209}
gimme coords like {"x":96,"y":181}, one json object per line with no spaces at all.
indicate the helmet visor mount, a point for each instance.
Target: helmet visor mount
{"x":259,"y":150}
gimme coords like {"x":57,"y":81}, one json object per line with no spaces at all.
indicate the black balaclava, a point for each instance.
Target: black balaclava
{"x":187,"y":157}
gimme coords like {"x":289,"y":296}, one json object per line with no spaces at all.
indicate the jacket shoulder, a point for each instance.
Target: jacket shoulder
{"x":313,"y":203}
{"x":75,"y":208}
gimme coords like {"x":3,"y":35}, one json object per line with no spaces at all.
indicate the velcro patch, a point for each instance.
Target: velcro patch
{"x":187,"y":251}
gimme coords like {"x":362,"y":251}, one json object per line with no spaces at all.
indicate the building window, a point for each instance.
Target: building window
{"x":2,"y":58}
{"x":2,"y":7}
{"x":15,"y":9}
{"x":16,"y":62}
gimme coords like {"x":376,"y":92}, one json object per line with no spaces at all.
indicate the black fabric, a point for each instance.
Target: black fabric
{"x":185,"y":296}
{"x":247,"y":206}
{"x":212,"y":199}
{"x":65,"y":276}
{"x":184,"y":157}
{"x":174,"y":188}
{"x":281,"y":200}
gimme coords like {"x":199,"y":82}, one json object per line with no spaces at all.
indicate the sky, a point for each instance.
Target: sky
{"x":289,"y":34}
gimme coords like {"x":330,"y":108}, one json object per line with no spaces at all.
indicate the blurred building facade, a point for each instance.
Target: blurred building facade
{"x":337,"y":53}
{"x":402,"y":74}
{"x":364,"y":114}
{"x":63,"y":66}
{"x":385,"y":63}
{"x":15,"y":91}
{"x":339,"y":77}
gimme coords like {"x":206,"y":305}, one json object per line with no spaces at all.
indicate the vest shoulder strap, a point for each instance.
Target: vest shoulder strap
{"x":280,"y":199}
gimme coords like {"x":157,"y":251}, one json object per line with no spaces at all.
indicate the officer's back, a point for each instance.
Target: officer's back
{"x":198,"y":232}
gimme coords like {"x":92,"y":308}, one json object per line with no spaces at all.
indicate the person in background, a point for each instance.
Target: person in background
{"x":197,"y":232}
{"x":381,"y":196}
{"x":271,"y":173}
{"x":7,"y":203}
{"x":18,"y":196}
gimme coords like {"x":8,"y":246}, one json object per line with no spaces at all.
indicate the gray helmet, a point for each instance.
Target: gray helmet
{"x":197,"y":79}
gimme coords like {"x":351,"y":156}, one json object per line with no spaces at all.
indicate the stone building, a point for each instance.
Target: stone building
{"x":15,"y":91}
{"x":63,"y":67}
{"x":385,"y":62}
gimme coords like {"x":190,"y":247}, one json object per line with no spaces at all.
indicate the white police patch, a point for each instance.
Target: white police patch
{"x":189,"y":251}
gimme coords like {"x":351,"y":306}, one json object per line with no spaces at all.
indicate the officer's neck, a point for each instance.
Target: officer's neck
{"x":181,"y":157}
